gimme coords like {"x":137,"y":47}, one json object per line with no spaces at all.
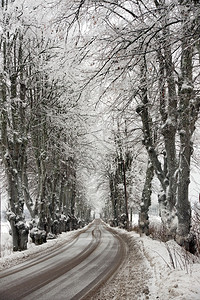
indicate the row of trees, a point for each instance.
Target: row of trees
{"x":146,"y":61}
{"x":39,"y":122}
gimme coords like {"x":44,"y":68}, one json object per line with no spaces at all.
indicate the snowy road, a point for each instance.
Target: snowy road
{"x":73,"y":271}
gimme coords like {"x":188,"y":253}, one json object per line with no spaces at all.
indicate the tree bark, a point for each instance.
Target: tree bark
{"x":146,"y":201}
{"x":186,"y":95}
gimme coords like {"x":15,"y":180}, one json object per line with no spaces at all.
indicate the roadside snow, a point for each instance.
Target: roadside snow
{"x":10,"y":258}
{"x":175,"y":272}
{"x":154,"y":270}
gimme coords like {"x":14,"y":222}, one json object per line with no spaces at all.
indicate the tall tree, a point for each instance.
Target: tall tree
{"x":14,"y":121}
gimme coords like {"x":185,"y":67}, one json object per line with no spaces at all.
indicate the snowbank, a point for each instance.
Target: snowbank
{"x":174,"y":273}
{"x":10,"y":258}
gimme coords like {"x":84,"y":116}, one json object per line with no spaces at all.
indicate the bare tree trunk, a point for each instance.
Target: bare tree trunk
{"x":125,"y":194}
{"x":146,"y":201}
{"x":113,"y":197}
{"x":186,"y":95}
{"x":27,"y":196}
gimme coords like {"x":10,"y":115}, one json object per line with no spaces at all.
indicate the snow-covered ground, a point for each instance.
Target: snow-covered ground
{"x":168,"y":271}
{"x":6,"y":240}
{"x":9,"y":258}
{"x":153,"y":269}
{"x":175,"y":273}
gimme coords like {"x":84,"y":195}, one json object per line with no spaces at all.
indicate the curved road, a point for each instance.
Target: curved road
{"x":73,"y":271}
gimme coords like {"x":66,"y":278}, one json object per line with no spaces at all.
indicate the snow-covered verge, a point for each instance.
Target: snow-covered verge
{"x":6,"y":240}
{"x":154,"y":270}
{"x":175,"y":272}
{"x":9,"y":258}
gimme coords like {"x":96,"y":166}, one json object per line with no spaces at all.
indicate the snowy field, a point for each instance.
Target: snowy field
{"x":6,"y":240}
{"x":172,"y":273}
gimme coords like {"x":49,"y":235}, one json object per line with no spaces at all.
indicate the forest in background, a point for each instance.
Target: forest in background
{"x":99,"y":104}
